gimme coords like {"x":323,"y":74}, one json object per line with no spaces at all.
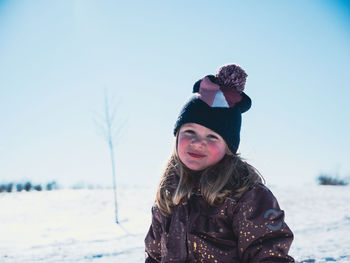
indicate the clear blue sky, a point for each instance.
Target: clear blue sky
{"x":58,"y":57}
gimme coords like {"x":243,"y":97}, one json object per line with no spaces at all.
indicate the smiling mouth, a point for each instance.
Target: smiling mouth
{"x":196,"y":155}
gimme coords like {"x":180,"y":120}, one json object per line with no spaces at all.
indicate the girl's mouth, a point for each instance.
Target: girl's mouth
{"x":196,"y":155}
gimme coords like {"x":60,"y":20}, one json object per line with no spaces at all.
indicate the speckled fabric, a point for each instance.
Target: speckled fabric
{"x":251,"y":229}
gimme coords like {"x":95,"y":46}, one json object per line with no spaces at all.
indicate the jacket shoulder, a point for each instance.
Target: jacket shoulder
{"x":258,"y":190}
{"x":257,"y":196}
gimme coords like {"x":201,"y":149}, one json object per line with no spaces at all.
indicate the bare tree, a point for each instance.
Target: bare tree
{"x":110,"y":130}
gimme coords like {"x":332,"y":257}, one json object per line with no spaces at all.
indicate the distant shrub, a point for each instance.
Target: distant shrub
{"x":37,"y":187}
{"x":19,"y":187}
{"x":51,"y":186}
{"x":27,"y":186}
{"x":2,"y":188}
{"x":325,"y":179}
{"x":9,"y":187}
{"x":6,"y":187}
{"x":83,"y":185}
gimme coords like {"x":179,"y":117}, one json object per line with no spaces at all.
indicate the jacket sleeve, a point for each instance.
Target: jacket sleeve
{"x":258,"y":223}
{"x":153,"y":238}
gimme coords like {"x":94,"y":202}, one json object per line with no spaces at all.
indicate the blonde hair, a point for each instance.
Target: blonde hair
{"x":231,"y":176}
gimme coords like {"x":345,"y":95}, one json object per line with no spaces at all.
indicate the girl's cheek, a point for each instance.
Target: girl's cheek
{"x":213,"y":149}
{"x":182,"y":142}
{"x":216,"y":149}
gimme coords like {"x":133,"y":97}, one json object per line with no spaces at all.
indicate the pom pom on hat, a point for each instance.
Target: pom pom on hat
{"x":231,"y":76}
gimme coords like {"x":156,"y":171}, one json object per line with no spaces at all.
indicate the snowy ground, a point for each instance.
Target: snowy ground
{"x":78,"y":225}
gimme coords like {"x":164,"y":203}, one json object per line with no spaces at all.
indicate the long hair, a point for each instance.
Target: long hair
{"x":231,"y":176}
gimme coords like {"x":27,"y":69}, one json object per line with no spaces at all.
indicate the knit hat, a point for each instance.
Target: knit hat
{"x":217,"y":103}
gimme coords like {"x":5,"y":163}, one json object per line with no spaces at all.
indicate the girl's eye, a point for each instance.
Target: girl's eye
{"x":213,"y":137}
{"x":188,"y":131}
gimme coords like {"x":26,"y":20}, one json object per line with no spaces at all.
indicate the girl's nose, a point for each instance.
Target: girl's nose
{"x":197,"y":141}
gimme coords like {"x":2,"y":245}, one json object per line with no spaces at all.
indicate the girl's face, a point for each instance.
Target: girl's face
{"x":199,"y":147}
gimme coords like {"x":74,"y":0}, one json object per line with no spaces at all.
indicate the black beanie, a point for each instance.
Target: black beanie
{"x":218,"y":103}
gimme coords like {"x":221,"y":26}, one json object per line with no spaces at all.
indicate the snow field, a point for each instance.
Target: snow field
{"x":79,"y":225}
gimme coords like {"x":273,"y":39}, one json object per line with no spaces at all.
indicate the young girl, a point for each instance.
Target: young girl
{"x":211,"y":206}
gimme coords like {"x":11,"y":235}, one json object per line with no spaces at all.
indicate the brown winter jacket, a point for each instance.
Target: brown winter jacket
{"x":251,"y":229}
